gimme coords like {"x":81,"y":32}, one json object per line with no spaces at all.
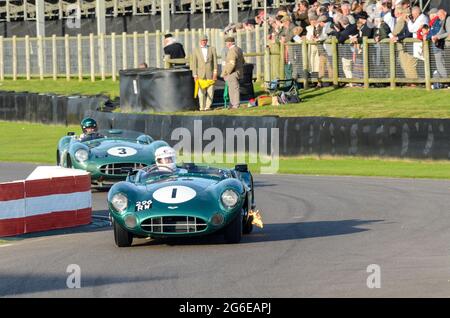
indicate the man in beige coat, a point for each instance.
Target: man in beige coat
{"x":233,"y":70}
{"x":204,"y":67}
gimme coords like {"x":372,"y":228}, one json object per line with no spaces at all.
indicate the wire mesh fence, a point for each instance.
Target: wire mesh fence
{"x":411,"y":61}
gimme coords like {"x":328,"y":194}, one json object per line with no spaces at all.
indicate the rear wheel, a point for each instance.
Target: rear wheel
{"x":68,"y":162}
{"x":233,"y":232}
{"x":122,"y":237}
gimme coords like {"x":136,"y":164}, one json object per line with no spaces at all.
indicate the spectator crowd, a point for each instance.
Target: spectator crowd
{"x":388,"y":20}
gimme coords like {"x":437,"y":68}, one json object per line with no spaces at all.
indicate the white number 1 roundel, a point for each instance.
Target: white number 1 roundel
{"x":122,"y":151}
{"x":174,"y":194}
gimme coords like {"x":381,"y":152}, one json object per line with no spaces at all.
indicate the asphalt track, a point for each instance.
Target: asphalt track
{"x":320,"y":235}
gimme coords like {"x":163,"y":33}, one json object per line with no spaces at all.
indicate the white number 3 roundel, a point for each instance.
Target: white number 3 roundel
{"x":122,"y":151}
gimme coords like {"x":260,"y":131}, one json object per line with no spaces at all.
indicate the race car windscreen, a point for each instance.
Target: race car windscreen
{"x":151,"y":176}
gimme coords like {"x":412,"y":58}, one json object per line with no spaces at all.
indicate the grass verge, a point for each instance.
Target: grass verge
{"x":343,"y":102}
{"x":36,"y":143}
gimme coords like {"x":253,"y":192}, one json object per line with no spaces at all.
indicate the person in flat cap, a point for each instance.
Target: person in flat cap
{"x":173,"y":48}
{"x":204,"y":71}
{"x":233,"y":70}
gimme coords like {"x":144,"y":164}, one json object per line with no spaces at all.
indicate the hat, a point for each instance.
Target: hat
{"x":286,"y":18}
{"x":362,"y":15}
{"x":229,"y":39}
{"x":204,"y":37}
{"x":322,"y":18}
{"x":168,"y":35}
{"x":433,"y":11}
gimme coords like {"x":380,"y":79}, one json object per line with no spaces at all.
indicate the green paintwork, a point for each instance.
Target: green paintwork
{"x":99,"y":156}
{"x":204,"y":205}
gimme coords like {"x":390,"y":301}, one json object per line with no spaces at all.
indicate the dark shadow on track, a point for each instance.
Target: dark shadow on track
{"x":12,"y":284}
{"x":274,"y":232}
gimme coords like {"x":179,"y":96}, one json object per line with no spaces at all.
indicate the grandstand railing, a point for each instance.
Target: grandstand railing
{"x":26,"y":10}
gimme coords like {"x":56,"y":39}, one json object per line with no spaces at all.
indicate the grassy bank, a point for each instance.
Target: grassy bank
{"x":344,"y":102}
{"x":36,"y":143}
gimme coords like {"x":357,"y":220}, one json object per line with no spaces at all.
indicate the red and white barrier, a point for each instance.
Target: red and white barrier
{"x":50,"y":198}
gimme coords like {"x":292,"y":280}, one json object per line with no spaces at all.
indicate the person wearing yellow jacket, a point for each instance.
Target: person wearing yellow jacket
{"x":204,"y":70}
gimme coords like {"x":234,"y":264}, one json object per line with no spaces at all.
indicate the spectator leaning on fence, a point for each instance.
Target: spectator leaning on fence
{"x":407,"y":62}
{"x":440,"y":43}
{"x":416,"y":20}
{"x":324,"y":49}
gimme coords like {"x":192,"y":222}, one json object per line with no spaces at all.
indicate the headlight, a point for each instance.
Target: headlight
{"x":120,"y":202}
{"x":81,"y":155}
{"x":229,"y":198}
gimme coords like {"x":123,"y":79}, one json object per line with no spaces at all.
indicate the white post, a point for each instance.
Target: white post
{"x":165,"y":15}
{"x":100,"y":12}
{"x":233,"y":14}
{"x":40,"y":18}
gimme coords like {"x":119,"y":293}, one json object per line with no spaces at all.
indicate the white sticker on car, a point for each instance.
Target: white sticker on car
{"x":122,"y":151}
{"x":174,"y":194}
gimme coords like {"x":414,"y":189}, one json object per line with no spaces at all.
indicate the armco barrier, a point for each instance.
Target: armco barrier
{"x":390,"y":137}
{"x":47,"y":108}
{"x":50,"y":198}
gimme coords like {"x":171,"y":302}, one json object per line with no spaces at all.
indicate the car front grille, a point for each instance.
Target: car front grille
{"x":115,"y":169}
{"x":174,"y":224}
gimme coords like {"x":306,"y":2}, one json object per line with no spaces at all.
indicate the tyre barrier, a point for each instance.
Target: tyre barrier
{"x":50,"y":198}
{"x":47,"y":108}
{"x":384,"y":137}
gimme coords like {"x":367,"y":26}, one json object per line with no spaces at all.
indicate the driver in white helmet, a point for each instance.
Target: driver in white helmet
{"x":166,"y":160}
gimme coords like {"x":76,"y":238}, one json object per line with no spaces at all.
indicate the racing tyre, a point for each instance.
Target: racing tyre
{"x":248,"y":226}
{"x":233,"y":232}
{"x":122,"y":237}
{"x":68,"y":162}
{"x":58,"y":163}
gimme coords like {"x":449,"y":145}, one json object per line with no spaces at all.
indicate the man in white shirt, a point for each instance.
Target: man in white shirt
{"x":417,"y":21}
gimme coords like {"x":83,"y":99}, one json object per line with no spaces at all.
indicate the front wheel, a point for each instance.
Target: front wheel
{"x":233,"y":231}
{"x":122,"y":237}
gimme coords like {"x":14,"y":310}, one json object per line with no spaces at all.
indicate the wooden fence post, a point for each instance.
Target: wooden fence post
{"x":92,"y":56}
{"x":80,"y":57}
{"x":14,"y":57}
{"x":2,"y":64}
{"x":305,"y":64}
{"x":113,"y":57}
{"x":167,"y":64}
{"x":258,"y":50}
{"x":27,"y":57}
{"x":267,"y":66}
{"x":41,"y":57}
{"x":281,"y":65}
{"x":67,"y":55}
{"x":334,"y":50}
{"x":102,"y":61}
{"x":426,"y":55}
{"x":135,"y":50}
{"x":124,"y":51}
{"x":146,"y":49}
{"x":392,"y":64}
{"x":158,"y":48}
{"x":366,"y":62}
{"x":54,"y":58}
